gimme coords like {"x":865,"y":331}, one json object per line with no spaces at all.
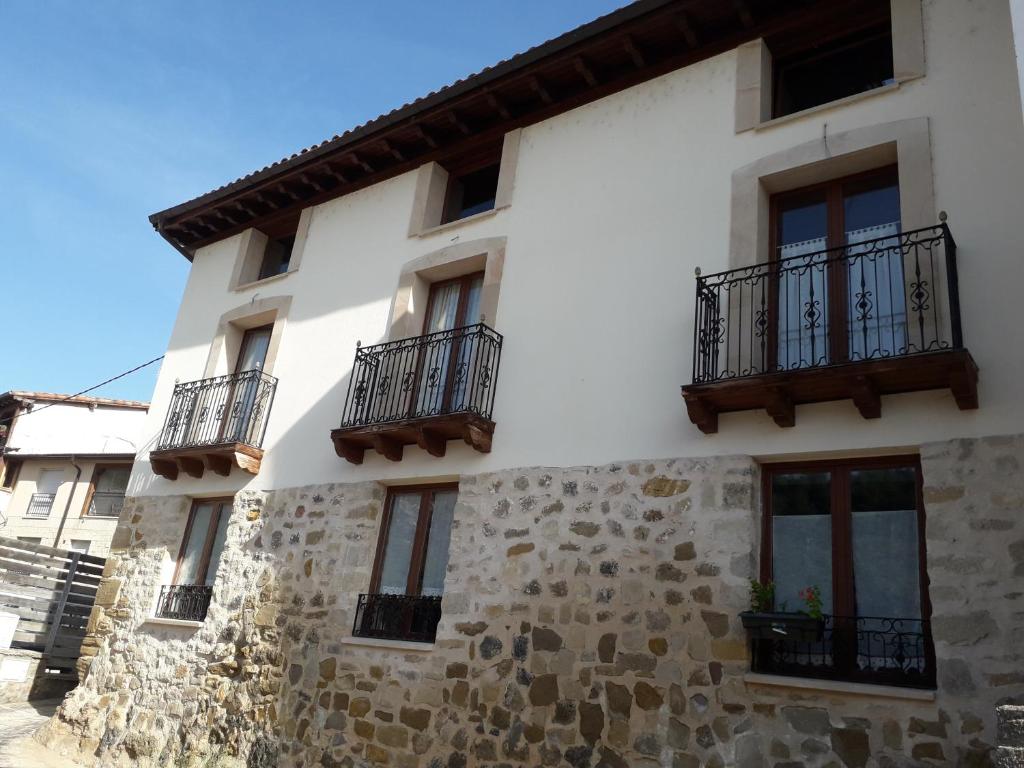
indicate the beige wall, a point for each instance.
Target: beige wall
{"x":98,"y":531}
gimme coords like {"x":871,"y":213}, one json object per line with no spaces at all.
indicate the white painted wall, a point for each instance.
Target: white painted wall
{"x":615,"y":205}
{"x":66,"y":428}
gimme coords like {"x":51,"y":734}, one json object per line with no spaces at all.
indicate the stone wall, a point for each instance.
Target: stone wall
{"x":589,"y":618}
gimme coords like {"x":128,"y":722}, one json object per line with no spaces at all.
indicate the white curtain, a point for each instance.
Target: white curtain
{"x":803,"y":306}
{"x":877,"y":305}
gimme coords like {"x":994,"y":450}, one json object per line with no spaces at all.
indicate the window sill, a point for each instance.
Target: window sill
{"x":393,"y":645}
{"x":810,"y":111}
{"x":459,"y":222}
{"x":182,"y":623}
{"x":264,"y":281}
{"x":838,"y":686}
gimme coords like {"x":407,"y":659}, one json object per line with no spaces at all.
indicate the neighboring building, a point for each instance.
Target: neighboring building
{"x":493,"y":533}
{"x":65,"y":463}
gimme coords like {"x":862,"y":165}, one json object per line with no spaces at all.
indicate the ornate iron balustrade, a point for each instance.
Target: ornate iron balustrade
{"x":105,"y":504}
{"x":40,"y":505}
{"x":397,"y":617}
{"x":865,"y":649}
{"x":441,"y":373}
{"x":224,"y":409}
{"x":880,"y":298}
{"x":187,"y":602}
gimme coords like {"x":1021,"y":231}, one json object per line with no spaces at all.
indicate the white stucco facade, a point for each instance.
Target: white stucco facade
{"x":615,"y":205}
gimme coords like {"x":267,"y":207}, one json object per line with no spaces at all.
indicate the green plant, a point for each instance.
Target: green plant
{"x":812,"y":599}
{"x":762,"y":596}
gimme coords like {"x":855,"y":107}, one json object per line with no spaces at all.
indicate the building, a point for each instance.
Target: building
{"x":65,"y":463}
{"x":426,"y":493}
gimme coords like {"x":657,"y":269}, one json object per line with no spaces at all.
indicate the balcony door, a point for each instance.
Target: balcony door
{"x":840,"y":287}
{"x":245,"y":392}
{"x":444,"y":359}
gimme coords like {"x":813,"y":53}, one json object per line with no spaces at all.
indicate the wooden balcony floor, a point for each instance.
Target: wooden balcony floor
{"x":863,"y":382}
{"x":194,"y":461}
{"x":431,"y":433}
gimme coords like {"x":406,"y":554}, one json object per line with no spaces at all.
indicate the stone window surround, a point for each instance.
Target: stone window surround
{"x":754,"y":70}
{"x":809,"y":684}
{"x":231,"y":328}
{"x":410,"y":302}
{"x":251,"y":245}
{"x":907,"y":143}
{"x":432,"y":187}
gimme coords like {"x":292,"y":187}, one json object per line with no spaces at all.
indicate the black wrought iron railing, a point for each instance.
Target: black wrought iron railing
{"x":40,"y":505}
{"x":879,"y":650}
{"x":883,"y":297}
{"x":187,"y":602}
{"x":441,"y":373}
{"x":224,"y":409}
{"x":397,"y":617}
{"x":105,"y":504}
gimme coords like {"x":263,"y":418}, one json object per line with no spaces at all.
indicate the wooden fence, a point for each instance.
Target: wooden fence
{"x":52,"y":592}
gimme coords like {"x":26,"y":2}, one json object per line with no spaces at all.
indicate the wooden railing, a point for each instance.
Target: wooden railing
{"x":52,"y":592}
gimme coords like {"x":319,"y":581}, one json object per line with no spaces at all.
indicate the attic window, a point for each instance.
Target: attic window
{"x":833,"y":70}
{"x":471,"y":193}
{"x":277,"y":256}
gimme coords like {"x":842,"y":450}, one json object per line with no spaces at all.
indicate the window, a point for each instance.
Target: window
{"x":849,"y":304}
{"x":109,"y":483}
{"x":410,"y":567}
{"x":10,"y":469}
{"x":855,"y":530}
{"x":188,"y":598}
{"x":277,"y":256}
{"x":79,"y":545}
{"x":47,"y":484}
{"x":470,"y":192}
{"x":833,"y":70}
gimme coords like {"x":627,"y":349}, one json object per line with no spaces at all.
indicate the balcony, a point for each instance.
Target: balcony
{"x":883,"y":651}
{"x":412,"y":618}
{"x":215,"y":424}
{"x":40,"y":505}
{"x":184,"y":602}
{"x":856,"y":322}
{"x":425,"y":391}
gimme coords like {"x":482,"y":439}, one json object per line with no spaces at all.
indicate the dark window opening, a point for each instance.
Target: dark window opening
{"x":11,"y":468}
{"x":277,"y":256}
{"x":471,"y":193}
{"x":832,"y":71}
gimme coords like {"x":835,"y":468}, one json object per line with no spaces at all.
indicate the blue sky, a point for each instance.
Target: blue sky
{"x":114,"y":110}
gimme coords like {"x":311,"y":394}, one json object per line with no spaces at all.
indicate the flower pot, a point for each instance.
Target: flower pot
{"x":782,"y":626}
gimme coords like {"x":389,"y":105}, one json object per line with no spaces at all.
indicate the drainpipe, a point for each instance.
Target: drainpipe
{"x":67,"y":506}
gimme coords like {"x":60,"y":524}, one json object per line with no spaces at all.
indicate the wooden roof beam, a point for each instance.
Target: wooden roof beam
{"x":309,"y":182}
{"x":287,"y":192}
{"x":335,"y":173}
{"x":499,"y":106}
{"x":244,"y":209}
{"x":425,"y":135}
{"x":455,"y":120}
{"x":743,"y":9}
{"x":686,"y":26}
{"x":585,"y":70}
{"x":634,"y":51}
{"x":362,"y":162}
{"x":264,"y":200}
{"x":538,"y":87}
{"x":392,"y":150}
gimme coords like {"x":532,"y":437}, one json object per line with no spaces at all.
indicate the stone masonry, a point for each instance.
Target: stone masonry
{"x":589,"y":619}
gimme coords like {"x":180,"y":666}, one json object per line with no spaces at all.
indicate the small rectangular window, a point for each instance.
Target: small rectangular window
{"x":471,"y":193}
{"x":203,"y":543}
{"x":11,"y":468}
{"x":833,"y":70}
{"x":277,"y":256}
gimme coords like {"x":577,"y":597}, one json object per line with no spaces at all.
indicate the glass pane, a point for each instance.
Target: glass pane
{"x":192,"y":556}
{"x":218,"y":543}
{"x":473,"y":301}
{"x":394,"y":572}
{"x":444,"y":304}
{"x":885,"y":542}
{"x":113,"y":480}
{"x":801,"y":538}
{"x":253,"y":354}
{"x":876,"y":300}
{"x":803,"y":285}
{"x":436,"y":562}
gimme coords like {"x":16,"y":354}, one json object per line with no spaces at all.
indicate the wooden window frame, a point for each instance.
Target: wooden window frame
{"x":460,"y":312}
{"x":417,"y":558}
{"x":223,"y":506}
{"x":843,"y":578}
{"x":836,"y":278}
{"x":98,"y":470}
